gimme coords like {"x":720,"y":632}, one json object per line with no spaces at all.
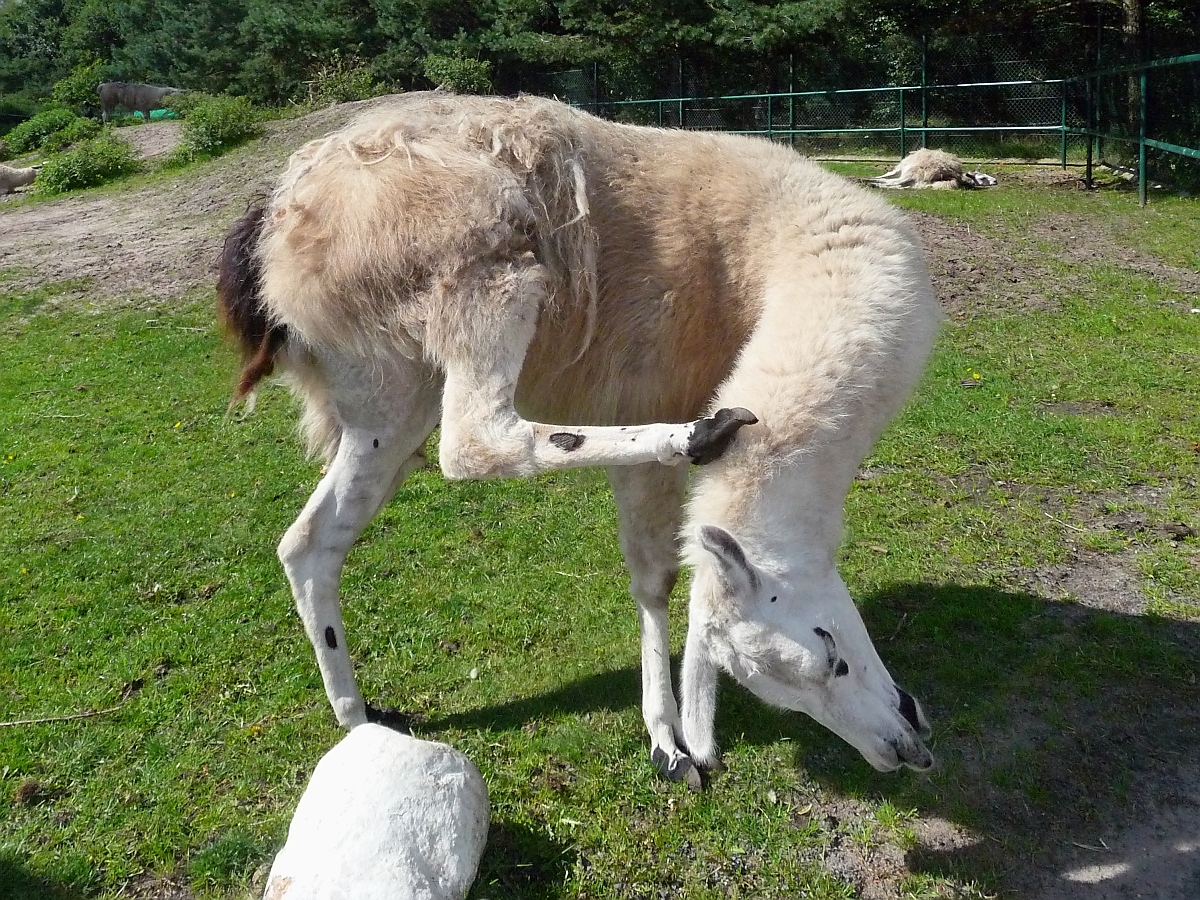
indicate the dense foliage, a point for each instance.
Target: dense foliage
{"x":213,"y":126}
{"x":96,"y":161}
{"x":272,"y":51}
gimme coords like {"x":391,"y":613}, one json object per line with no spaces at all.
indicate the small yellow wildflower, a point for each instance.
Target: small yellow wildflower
{"x":177,"y":424}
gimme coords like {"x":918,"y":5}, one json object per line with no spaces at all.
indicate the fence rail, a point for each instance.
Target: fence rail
{"x":1111,"y":116}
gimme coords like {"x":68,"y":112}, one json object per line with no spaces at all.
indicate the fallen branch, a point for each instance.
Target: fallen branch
{"x":83,"y":715}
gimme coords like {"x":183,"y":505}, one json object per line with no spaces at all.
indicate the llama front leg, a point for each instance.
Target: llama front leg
{"x":649,"y":507}
{"x":369,"y":466}
{"x":484,"y":437}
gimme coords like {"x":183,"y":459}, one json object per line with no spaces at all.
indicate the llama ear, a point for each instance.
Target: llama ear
{"x":736,"y":570}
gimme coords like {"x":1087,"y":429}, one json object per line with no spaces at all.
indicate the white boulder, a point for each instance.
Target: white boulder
{"x":385,"y":816}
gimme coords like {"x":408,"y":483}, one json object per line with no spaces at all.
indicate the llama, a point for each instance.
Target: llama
{"x":132,"y":96}
{"x":11,"y":179}
{"x":935,"y":169}
{"x":495,"y":265}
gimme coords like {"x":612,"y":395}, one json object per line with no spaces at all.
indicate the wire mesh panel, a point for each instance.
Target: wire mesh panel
{"x":1146,"y":117}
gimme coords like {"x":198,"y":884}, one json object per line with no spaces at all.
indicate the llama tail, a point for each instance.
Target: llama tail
{"x":240,"y":307}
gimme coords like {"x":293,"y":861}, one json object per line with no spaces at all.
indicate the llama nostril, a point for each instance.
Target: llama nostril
{"x":908,"y":709}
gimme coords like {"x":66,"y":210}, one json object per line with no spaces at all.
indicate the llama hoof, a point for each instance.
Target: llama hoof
{"x":389,"y":717}
{"x":712,"y":435}
{"x":678,"y":768}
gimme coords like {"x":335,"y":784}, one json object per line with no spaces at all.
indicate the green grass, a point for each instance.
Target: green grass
{"x":137,"y":571}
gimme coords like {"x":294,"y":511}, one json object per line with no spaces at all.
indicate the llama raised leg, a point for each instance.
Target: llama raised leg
{"x":649,"y":507}
{"x":371,"y":462}
{"x":484,"y":437}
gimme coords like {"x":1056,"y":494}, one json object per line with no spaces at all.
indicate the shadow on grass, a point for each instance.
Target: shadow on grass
{"x":1065,"y":737}
{"x":1057,"y":727}
{"x":614,"y":690}
{"x":17,"y":883}
{"x":522,"y":863}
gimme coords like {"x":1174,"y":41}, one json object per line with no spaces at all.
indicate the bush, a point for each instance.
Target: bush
{"x":465,"y":76}
{"x":214,"y":126}
{"x":78,"y":129}
{"x":29,"y":134}
{"x":78,"y":90}
{"x":101,"y":159}
{"x":183,"y":103}
{"x":341,"y":80}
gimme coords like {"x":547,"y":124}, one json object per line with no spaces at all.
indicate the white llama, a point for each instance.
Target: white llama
{"x":494,"y":264}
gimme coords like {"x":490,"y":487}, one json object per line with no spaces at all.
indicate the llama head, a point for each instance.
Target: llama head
{"x":795,"y":639}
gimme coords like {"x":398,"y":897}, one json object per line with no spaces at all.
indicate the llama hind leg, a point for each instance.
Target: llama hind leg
{"x":484,"y":437}
{"x":371,"y":462}
{"x":649,"y":506}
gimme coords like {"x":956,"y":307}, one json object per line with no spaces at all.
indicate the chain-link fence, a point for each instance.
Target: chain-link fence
{"x":983,"y":97}
{"x":1145,"y":118}
{"x":1022,"y":120}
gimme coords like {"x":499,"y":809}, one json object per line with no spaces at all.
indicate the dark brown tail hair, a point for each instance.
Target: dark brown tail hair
{"x":239,"y":302}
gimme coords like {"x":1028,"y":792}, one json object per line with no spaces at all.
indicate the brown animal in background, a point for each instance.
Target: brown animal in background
{"x":135,"y":97}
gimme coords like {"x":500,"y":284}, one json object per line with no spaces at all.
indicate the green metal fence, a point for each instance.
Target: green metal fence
{"x":1145,"y":117}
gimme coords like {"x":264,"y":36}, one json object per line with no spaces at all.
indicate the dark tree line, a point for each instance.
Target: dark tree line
{"x":268,"y":49}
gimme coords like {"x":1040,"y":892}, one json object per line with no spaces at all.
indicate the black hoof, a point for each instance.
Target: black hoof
{"x":682,"y":769}
{"x":714,"y":434}
{"x":389,"y":718}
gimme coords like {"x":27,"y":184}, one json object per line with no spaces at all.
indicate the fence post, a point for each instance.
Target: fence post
{"x":1062,"y":139}
{"x":1142,"y":139}
{"x":792,"y":100}
{"x":1088,"y":117}
{"x":770,"y":119}
{"x":924,"y":91}
{"x":903,"y":141}
{"x":681,"y":90}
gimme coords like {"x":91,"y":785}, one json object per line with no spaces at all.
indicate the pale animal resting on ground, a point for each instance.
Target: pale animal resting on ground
{"x":11,"y":179}
{"x":496,"y":264}
{"x":935,"y":169}
{"x":134,"y":97}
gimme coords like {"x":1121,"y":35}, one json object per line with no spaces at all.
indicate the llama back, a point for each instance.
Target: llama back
{"x":400,"y":214}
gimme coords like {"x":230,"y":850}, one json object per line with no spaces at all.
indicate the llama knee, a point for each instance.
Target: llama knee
{"x":488,"y":450}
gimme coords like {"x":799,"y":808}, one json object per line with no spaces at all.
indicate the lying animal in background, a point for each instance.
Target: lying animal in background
{"x":11,"y":179}
{"x":495,"y":264}
{"x":931,"y":169}
{"x":131,"y":96}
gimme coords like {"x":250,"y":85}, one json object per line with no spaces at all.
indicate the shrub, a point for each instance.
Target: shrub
{"x":466,"y":76}
{"x":78,"y":90}
{"x":183,"y":103}
{"x":339,"y":80}
{"x":103,"y":158}
{"x":78,"y":129}
{"x":214,"y":126}
{"x":29,"y":134}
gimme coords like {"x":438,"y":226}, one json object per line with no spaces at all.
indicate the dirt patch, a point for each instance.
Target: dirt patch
{"x":973,"y":274}
{"x":150,"y":887}
{"x":1102,"y":248}
{"x":153,"y":141}
{"x":159,"y":242}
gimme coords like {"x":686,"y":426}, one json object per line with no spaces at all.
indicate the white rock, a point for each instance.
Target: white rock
{"x":384,"y":817}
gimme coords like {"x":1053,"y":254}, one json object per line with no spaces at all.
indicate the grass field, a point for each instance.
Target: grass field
{"x":1051,"y":442}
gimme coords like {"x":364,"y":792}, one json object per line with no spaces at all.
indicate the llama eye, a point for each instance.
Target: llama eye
{"x":773,"y":599}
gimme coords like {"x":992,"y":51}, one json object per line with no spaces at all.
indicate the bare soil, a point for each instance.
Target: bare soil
{"x":156,"y":243}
